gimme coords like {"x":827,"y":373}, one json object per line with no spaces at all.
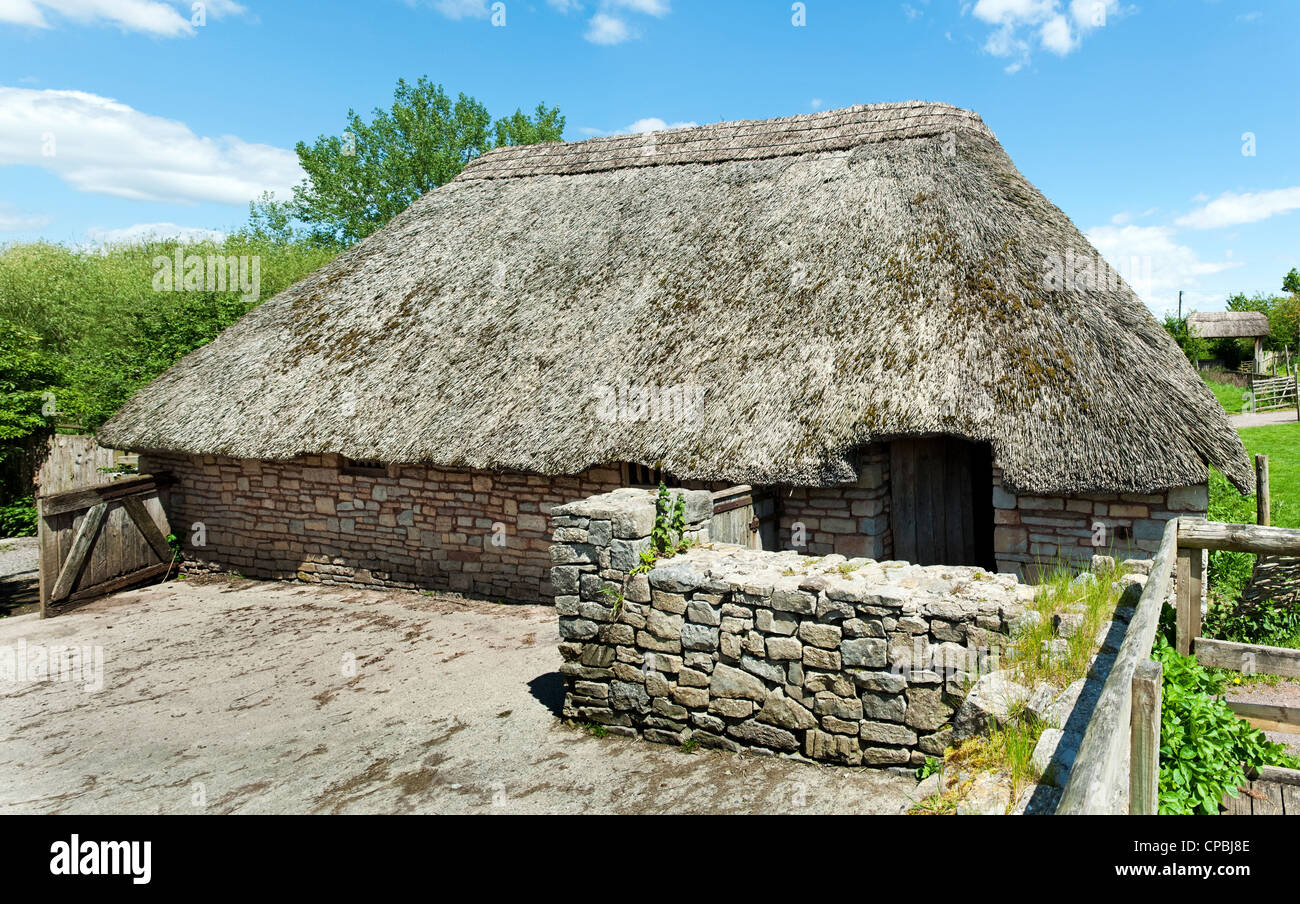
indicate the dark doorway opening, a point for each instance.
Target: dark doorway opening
{"x":941,"y":501}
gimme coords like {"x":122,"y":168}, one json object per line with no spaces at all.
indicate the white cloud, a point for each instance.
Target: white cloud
{"x":1152,"y":262}
{"x":1058,"y":29}
{"x":153,"y":17}
{"x":141,"y":231}
{"x":654,"y":124}
{"x":608,"y":26}
{"x":564,"y":6}
{"x":1012,"y":12}
{"x":649,"y":7}
{"x":640,"y":127}
{"x":99,"y":145}
{"x":12,"y":220}
{"x":461,"y":9}
{"x":1057,"y":36}
{"x":1232,"y":209}
{"x":607,"y":29}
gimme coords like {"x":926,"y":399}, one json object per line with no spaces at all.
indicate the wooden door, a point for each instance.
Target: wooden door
{"x":941,"y":501}
{"x":745,"y":517}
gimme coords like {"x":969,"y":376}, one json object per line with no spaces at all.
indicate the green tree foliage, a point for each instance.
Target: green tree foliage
{"x":358,"y":181}
{"x":1291,"y":282}
{"x":1283,"y":314}
{"x":27,"y":370}
{"x":81,"y":330}
{"x":1193,"y":346}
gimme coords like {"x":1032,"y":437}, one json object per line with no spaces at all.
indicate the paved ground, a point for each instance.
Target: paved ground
{"x":236,"y":696}
{"x":1263,"y":418}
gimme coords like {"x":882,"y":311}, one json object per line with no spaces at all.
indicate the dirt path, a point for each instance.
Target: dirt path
{"x":1263,"y":418}
{"x":18,"y":576}
{"x":1284,"y":693}
{"x":247,"y":697}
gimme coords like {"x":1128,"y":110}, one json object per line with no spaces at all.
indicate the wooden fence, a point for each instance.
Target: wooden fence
{"x":73,"y":461}
{"x":97,"y":540}
{"x":99,"y":527}
{"x":1273,"y":393}
{"x":1117,"y":767}
{"x":1118,"y":764}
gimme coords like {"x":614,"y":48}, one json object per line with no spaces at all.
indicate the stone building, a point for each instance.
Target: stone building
{"x":859,"y":314}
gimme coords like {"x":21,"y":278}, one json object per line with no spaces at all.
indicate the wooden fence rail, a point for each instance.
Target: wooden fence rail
{"x":1117,"y":767}
{"x":1119,"y":733}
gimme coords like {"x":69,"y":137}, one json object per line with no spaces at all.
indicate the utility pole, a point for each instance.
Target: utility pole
{"x":1180,"y":305}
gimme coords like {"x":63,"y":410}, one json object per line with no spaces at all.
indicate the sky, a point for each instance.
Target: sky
{"x":1167,"y":130}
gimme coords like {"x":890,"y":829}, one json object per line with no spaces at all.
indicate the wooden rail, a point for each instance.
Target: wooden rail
{"x":1113,"y":771}
{"x":1117,"y":767}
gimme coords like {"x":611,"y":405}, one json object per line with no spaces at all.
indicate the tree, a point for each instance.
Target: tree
{"x":1193,"y":346}
{"x":360,"y":180}
{"x":1291,"y":282}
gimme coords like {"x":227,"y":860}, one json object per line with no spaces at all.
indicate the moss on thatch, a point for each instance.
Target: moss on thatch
{"x":831,"y":280}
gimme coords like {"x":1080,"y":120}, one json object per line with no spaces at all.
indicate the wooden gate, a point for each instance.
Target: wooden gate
{"x":941,"y":500}
{"x":744,"y":517}
{"x":1273,"y":393}
{"x":97,"y":540}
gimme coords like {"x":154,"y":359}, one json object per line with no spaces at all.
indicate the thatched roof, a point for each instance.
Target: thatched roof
{"x":826,"y":280}
{"x":1228,"y":324}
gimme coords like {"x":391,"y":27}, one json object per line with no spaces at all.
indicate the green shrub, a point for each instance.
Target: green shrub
{"x":1204,"y":749}
{"x":18,"y":518}
{"x":1264,"y":622}
{"x":1229,"y":572}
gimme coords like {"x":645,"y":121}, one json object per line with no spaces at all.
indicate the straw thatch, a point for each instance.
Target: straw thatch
{"x":1229,"y":324}
{"x":827,"y":280}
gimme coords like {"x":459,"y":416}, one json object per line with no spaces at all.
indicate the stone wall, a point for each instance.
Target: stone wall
{"x":839,"y":660}
{"x":850,"y":519}
{"x":1035,"y":532}
{"x":480,"y":533}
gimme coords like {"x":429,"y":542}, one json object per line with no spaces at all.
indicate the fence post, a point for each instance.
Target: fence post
{"x":1144,"y":740}
{"x":1188,"y":581}
{"x":1262,"y":507}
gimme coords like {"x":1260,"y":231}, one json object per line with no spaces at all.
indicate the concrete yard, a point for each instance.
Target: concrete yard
{"x":237,"y":696}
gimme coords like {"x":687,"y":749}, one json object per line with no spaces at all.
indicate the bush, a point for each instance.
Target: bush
{"x":1265,"y":622}
{"x":1204,"y":749}
{"x":1229,"y":572}
{"x":18,"y":518}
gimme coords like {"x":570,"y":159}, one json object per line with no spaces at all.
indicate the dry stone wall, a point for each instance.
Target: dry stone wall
{"x":1033,"y":533}
{"x":475,"y":532}
{"x":849,"y":661}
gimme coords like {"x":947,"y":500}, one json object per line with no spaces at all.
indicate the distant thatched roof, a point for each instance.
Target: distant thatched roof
{"x":825,"y":280}
{"x":1228,"y":324}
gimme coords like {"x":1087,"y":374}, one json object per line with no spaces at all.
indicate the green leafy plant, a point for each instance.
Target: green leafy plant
{"x":1263,"y":622}
{"x":18,"y":518}
{"x":931,"y":765}
{"x":1204,"y":749}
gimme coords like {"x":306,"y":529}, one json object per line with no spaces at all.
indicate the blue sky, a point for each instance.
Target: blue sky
{"x":123,"y":116}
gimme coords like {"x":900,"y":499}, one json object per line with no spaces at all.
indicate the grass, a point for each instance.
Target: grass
{"x":1058,"y":594}
{"x":1281,"y":443}
{"x":1229,"y":396}
{"x":1008,"y":749}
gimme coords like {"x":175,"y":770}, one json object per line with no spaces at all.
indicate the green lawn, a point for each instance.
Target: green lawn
{"x":1229,"y":396}
{"x":1281,"y":443}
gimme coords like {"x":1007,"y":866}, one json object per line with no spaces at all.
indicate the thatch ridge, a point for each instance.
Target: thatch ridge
{"x":829,"y":130}
{"x":819,"y":300}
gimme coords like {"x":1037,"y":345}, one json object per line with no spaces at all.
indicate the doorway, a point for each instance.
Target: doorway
{"x":941,"y":501}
